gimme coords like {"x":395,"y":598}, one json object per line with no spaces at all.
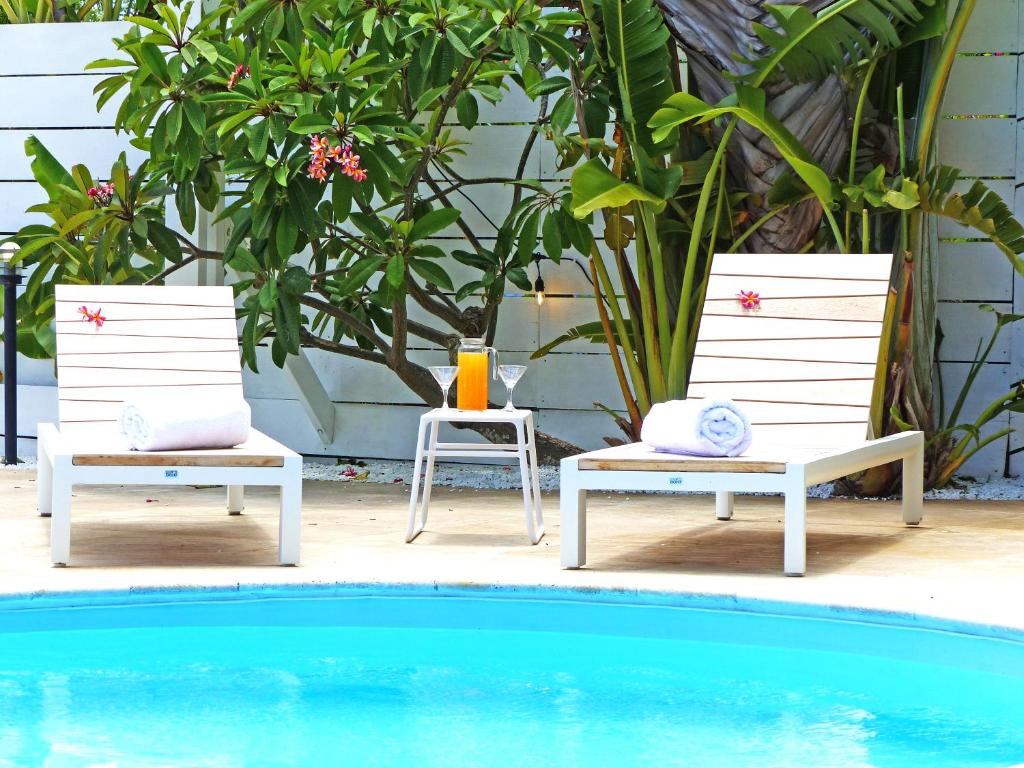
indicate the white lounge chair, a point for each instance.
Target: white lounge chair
{"x":803,"y":368}
{"x":153,"y":339}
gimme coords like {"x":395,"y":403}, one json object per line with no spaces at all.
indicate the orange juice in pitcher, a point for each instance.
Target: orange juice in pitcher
{"x":472,"y":379}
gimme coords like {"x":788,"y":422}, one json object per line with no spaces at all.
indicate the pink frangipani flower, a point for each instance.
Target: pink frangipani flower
{"x":749,"y":299}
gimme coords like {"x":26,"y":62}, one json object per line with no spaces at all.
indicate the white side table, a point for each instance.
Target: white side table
{"x":525,"y":444}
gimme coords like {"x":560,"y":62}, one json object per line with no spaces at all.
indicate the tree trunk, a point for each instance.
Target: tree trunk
{"x":713,"y":33}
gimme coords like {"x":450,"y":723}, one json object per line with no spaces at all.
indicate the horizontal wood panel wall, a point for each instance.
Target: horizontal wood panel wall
{"x":45,"y":92}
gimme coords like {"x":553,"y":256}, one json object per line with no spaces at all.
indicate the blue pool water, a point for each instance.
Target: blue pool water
{"x":419,"y":677}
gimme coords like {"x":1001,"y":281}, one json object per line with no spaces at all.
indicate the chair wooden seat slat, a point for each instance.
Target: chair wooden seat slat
{"x":154,"y":340}
{"x":802,"y":366}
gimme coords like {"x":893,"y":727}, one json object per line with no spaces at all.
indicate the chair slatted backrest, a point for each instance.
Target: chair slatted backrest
{"x":802,"y":365}
{"x":154,"y":340}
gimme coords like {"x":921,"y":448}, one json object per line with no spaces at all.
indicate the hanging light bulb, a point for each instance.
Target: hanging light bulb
{"x":538,"y":289}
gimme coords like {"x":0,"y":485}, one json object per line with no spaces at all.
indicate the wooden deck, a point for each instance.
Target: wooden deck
{"x":965,"y":561}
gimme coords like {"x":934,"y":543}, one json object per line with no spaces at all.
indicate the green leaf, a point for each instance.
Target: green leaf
{"x":311,"y":123}
{"x":357,"y":276}
{"x":903,"y":199}
{"x":229,"y":124}
{"x":285,"y":235}
{"x":592,"y":332}
{"x":268,"y":295}
{"x":808,"y":46}
{"x":206,"y":50}
{"x":164,"y":241}
{"x":296,"y":280}
{"x":155,"y":62}
{"x":287,"y":324}
{"x":432,"y":223}
{"x":527,"y":243}
{"x":468,"y":290}
{"x":467,"y":110}
{"x":748,"y":104}
{"x":395,"y":272}
{"x":521,"y":48}
{"x":341,"y":196}
{"x":551,"y":236}
{"x":429,"y":97}
{"x":243,"y":261}
{"x":432,"y":272}
{"x":595,"y":187}
{"x":79,"y":220}
{"x":195,"y":116}
{"x":46,"y":169}
{"x":638,"y":48}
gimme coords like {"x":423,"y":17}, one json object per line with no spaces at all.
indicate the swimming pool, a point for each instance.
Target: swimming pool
{"x":414,"y":676}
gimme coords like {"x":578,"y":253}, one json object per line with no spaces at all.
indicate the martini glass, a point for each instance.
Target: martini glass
{"x":444,"y":375}
{"x":510,"y":375}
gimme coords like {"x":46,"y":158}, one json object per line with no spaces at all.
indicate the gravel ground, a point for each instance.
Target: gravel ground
{"x":507,"y":477}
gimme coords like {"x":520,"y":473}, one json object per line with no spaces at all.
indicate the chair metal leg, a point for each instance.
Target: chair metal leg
{"x":412,"y":531}
{"x":60,"y":518}
{"x":724,"y":505}
{"x":573,"y":512}
{"x":44,"y":479}
{"x":795,"y":523}
{"x":236,"y":499}
{"x":290,"y":522}
{"x":913,"y":484}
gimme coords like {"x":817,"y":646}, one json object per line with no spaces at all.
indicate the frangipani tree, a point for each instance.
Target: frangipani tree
{"x":330,"y":134}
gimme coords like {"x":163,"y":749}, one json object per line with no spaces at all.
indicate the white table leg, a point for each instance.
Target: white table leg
{"x":411,"y":531}
{"x":535,"y":479}
{"x":428,"y":480}
{"x":524,"y":471}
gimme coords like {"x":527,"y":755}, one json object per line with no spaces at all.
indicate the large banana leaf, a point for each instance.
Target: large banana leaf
{"x":979,"y":207}
{"x":594,"y":187}
{"x":808,"y":46}
{"x":747,"y":104}
{"x":637,"y":41}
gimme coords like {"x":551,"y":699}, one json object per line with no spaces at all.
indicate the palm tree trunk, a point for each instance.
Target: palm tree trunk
{"x":713,"y":33}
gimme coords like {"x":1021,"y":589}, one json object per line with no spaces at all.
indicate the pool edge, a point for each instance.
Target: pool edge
{"x":711,"y":601}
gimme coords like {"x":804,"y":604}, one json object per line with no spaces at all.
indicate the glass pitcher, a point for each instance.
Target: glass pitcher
{"x":471,"y":394}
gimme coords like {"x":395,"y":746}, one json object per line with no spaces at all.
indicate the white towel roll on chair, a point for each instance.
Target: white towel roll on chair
{"x":179,"y":424}
{"x":697,"y":428}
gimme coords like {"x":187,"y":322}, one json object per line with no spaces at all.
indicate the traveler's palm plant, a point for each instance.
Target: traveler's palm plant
{"x":722,"y":149}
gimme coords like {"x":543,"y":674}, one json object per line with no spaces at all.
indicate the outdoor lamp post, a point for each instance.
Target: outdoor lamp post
{"x":10,"y":278}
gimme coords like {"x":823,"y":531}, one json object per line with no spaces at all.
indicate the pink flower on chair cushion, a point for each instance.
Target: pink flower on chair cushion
{"x":749,"y":299}
{"x":96,"y":317}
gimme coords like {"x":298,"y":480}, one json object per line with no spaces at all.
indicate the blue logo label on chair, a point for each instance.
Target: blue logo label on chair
{"x":675,"y":481}
{"x":170,"y":473}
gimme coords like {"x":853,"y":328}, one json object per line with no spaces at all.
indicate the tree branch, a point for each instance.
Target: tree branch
{"x":348,"y":350}
{"x":349,"y":319}
{"x":517,"y":196}
{"x":452,"y":316}
{"x":474,"y":182}
{"x":460,"y":222}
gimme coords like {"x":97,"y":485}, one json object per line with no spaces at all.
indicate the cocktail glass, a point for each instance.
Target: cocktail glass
{"x":444,"y":375}
{"x":511,"y":374}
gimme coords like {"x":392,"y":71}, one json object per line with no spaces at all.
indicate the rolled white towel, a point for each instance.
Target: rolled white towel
{"x":162,"y":423}
{"x":697,"y":427}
